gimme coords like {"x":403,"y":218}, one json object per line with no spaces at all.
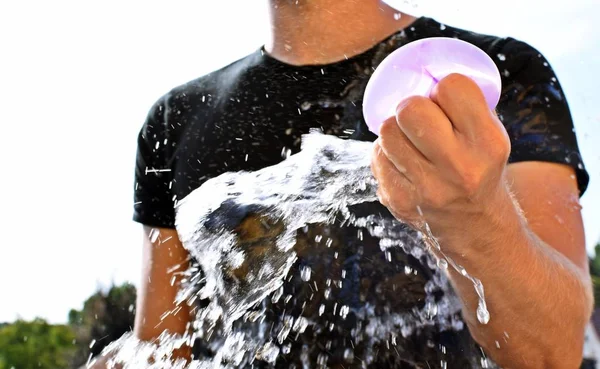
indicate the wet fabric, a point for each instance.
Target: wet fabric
{"x":252,"y":114}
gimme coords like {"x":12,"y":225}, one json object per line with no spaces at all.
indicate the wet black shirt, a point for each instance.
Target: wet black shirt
{"x":252,"y":114}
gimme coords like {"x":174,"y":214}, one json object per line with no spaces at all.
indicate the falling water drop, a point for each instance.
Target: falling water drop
{"x":349,"y":355}
{"x":154,"y":233}
{"x":305,"y":273}
{"x":277,"y":295}
{"x":268,"y":353}
{"x":483,"y":315}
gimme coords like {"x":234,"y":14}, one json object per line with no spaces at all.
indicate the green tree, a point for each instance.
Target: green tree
{"x":105,"y":317}
{"x":35,"y":345}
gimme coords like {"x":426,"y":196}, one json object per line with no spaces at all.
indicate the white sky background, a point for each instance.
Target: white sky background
{"x":78,"y":77}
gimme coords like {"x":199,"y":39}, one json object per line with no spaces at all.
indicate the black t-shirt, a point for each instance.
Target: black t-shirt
{"x":253,"y":112}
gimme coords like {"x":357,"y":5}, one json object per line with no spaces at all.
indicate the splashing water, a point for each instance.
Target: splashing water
{"x":244,"y":230}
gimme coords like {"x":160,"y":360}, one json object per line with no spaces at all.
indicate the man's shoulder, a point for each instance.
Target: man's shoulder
{"x":207,"y":86}
{"x":509,"y":54}
{"x":191,"y":101}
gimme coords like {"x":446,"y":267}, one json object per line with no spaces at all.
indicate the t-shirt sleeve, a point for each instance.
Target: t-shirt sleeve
{"x":153,"y":198}
{"x":534,"y":109}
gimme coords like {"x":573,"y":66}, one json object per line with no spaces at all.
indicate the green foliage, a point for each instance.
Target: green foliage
{"x":35,"y":345}
{"x":105,"y":317}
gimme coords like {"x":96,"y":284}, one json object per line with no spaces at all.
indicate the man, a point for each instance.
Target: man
{"x":500,"y":192}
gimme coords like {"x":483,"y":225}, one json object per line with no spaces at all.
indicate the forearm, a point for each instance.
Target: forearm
{"x":157,"y":309}
{"x":539,"y":302}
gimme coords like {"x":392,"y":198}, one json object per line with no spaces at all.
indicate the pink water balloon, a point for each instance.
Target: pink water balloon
{"x":415,"y":68}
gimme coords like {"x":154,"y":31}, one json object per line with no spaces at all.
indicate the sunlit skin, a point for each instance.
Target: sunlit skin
{"x":516,"y":227}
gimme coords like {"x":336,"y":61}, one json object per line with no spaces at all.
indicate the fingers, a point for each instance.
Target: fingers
{"x":427,"y":128}
{"x":463,"y":102}
{"x":394,"y":189}
{"x":406,"y":158}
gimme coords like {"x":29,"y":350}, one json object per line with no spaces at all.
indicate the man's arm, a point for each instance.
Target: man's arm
{"x":164,"y":259}
{"x":447,"y":155}
{"x":533,"y":266}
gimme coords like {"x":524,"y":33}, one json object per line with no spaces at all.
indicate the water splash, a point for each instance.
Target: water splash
{"x":243,"y":229}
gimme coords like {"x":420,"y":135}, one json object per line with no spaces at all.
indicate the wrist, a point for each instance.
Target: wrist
{"x":474,"y":230}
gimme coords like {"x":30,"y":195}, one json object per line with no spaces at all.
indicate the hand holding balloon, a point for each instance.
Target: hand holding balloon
{"x":414,"y":69}
{"x":445,"y":150}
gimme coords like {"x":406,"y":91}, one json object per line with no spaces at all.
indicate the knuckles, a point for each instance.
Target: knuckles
{"x":471,"y":182}
{"x":500,"y":147}
{"x":387,"y":128}
{"x":412,"y":106}
{"x":453,"y":82}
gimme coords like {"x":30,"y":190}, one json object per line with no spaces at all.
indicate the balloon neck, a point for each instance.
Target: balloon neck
{"x":427,"y":72}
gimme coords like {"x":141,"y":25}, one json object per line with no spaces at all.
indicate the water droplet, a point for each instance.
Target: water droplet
{"x":322,"y":360}
{"x":268,"y":353}
{"x":277,"y":295}
{"x":483,"y":315}
{"x":349,"y":355}
{"x":305,"y":105}
{"x":321,"y":309}
{"x":559,"y":219}
{"x":305,"y":273}
{"x":397,"y":16}
{"x":501,"y":57}
{"x":154,"y":233}
{"x":485,"y":363}
{"x":431,"y":309}
{"x":407,"y":270}
{"x":442,"y":27}
{"x":300,"y":325}
{"x":442,"y":264}
{"x":344,"y":310}
{"x":285,"y":330}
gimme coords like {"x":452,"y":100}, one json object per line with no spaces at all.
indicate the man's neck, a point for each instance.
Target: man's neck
{"x":313,"y":32}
